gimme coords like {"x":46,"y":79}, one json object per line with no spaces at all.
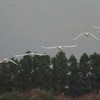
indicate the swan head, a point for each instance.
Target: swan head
{"x":5,"y":60}
{"x":59,"y":48}
{"x":31,"y":54}
{"x":86,"y":34}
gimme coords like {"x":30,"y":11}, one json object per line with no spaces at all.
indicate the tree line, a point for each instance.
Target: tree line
{"x":58,"y":73}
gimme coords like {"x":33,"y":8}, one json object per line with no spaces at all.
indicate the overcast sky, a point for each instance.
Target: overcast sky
{"x":26,"y":25}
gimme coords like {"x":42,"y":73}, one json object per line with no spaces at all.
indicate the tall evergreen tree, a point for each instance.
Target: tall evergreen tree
{"x":34,"y":72}
{"x":59,"y":72}
{"x":7,"y":76}
{"x":85,"y":73}
{"x":95,"y":72}
{"x":74,"y":85}
{"x":41,"y":76}
{"x":23,"y":78}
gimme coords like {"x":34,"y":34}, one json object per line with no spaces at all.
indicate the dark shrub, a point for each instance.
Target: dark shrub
{"x":43,"y":95}
{"x":13,"y":96}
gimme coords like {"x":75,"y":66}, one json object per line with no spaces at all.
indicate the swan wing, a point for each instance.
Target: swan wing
{"x":78,"y":36}
{"x":49,"y":47}
{"x":12,"y":61}
{"x":21,"y":55}
{"x":94,"y":36}
{"x":1,"y":61}
{"x":95,"y":27}
{"x":70,"y":46}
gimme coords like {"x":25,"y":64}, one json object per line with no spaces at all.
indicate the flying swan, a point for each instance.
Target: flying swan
{"x":86,"y":34}
{"x":58,"y":47}
{"x":7,"y":60}
{"x":31,"y":54}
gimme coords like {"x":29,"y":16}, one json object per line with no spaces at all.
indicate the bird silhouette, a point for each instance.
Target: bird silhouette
{"x":86,"y":34}
{"x":7,"y":60}
{"x":31,"y":54}
{"x":58,"y":47}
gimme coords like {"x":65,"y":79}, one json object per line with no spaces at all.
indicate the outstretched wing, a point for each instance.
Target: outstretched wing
{"x":94,"y":36}
{"x":1,"y":61}
{"x":78,"y":36}
{"x":12,"y":61}
{"x":96,"y":27}
{"x":70,"y":46}
{"x":21,"y":55}
{"x":49,"y":47}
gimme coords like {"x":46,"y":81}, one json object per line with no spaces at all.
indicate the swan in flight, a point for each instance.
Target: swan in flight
{"x":7,"y":60}
{"x":58,"y":47}
{"x":31,"y":54}
{"x":96,"y":27}
{"x":86,"y":34}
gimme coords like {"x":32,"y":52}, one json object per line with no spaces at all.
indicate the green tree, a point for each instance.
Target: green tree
{"x":23,"y":78}
{"x":85,"y":73}
{"x":7,"y":76}
{"x":59,"y":72}
{"x":34,"y":72}
{"x":74,"y":86}
{"x":41,"y":75}
{"x":95,"y":72}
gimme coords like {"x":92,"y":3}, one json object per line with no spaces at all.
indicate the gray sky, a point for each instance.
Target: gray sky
{"x":29,"y":24}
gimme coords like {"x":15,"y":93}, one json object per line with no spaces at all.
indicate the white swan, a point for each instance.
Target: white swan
{"x":58,"y":47}
{"x":7,"y":60}
{"x":31,"y":54}
{"x":86,"y":34}
{"x":95,"y":27}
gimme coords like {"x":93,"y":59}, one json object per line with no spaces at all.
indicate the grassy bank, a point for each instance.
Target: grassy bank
{"x":38,"y":94}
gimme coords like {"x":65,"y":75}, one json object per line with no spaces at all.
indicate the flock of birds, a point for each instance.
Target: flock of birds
{"x":54,"y":47}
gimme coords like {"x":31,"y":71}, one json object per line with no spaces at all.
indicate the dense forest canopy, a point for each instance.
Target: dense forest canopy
{"x":58,"y":73}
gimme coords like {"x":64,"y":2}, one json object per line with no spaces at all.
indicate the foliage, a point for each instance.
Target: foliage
{"x":74,"y":87}
{"x":59,"y":73}
{"x":43,"y":95}
{"x":95,"y":72}
{"x":84,"y":70}
{"x":8,"y":72}
{"x":13,"y":96}
{"x":91,"y":96}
